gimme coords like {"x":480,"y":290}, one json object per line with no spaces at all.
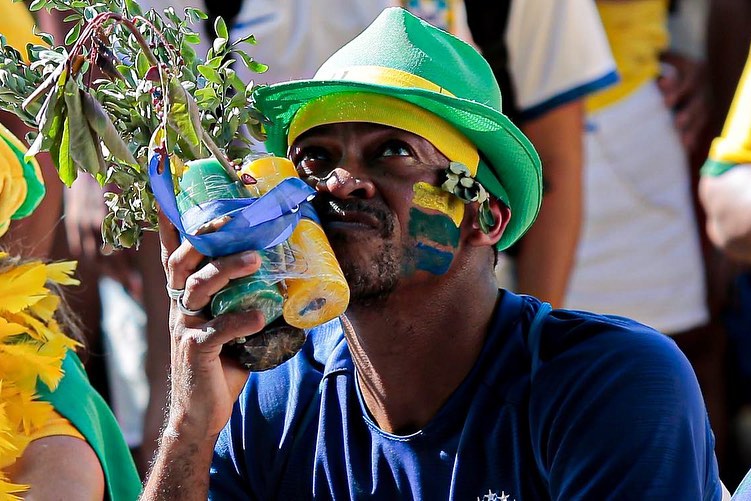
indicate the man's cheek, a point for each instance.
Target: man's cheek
{"x":433,"y":241}
{"x":434,"y":198}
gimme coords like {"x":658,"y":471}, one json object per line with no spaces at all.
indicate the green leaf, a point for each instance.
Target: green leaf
{"x":37,"y":5}
{"x":47,"y":38}
{"x":66,"y":168}
{"x":189,"y":55}
{"x":192,"y":38}
{"x":210,"y":74}
{"x":236,"y":82}
{"x":128,"y":73}
{"x":50,"y":117}
{"x":100,"y":123}
{"x":184,"y":114}
{"x":249,"y":39}
{"x":142,"y":64}
{"x":205,"y":94}
{"x":219,"y":44}
{"x":170,"y":14}
{"x":198,"y":13}
{"x":251,"y":63}
{"x":257,"y":67}
{"x":89,"y":13}
{"x":72,"y":35}
{"x":220,"y":28}
{"x":133,"y":8}
{"x":215,"y":62}
{"x":83,"y":149}
{"x":72,"y":17}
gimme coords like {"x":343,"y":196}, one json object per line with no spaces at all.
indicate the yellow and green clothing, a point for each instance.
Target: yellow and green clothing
{"x":637,"y":34}
{"x":733,"y":147}
{"x":89,"y":417}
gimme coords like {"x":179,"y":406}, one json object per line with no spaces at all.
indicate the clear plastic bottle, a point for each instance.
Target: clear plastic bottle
{"x":205,"y":180}
{"x":316,"y":289}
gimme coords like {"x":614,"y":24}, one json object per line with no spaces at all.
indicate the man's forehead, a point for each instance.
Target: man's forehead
{"x":355,"y":129}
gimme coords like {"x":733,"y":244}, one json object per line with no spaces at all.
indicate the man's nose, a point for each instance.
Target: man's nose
{"x":342,"y":184}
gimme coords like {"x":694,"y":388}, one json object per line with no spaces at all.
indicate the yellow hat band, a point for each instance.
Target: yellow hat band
{"x":381,"y":75}
{"x":389,"y":111}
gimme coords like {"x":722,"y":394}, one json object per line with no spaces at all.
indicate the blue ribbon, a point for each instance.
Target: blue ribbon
{"x":256,"y":223}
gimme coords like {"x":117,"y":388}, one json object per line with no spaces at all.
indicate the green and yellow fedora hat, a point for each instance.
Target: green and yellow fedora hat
{"x":392,"y":73}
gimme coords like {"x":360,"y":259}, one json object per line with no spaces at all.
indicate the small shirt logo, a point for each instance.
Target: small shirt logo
{"x":494,"y":496}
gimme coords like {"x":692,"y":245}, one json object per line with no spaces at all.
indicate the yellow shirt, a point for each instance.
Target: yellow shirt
{"x":637,"y":33}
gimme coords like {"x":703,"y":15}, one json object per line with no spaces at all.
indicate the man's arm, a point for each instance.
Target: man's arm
{"x":204,"y":386}
{"x":617,"y":413}
{"x":547,"y":251}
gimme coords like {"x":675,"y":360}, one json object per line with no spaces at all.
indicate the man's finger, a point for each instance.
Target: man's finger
{"x":229,"y":326}
{"x":215,"y":275}
{"x":168,"y":235}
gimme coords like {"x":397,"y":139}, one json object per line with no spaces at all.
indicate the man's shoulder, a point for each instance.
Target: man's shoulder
{"x":566,"y":331}
{"x":575,"y":343}
{"x":589,"y":351}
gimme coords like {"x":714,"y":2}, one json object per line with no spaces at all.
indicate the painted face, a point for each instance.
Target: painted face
{"x":380,"y":204}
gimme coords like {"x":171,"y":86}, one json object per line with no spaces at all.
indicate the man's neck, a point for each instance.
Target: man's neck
{"x":413,"y":350}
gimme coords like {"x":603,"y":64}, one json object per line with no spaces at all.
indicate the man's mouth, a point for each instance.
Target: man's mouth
{"x":335,"y":216}
{"x":350,"y":220}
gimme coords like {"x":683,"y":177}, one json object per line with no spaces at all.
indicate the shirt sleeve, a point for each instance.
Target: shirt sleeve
{"x":733,"y":147}
{"x":558,"y":52}
{"x":57,"y":425}
{"x":227,"y":479}
{"x":620,"y":416}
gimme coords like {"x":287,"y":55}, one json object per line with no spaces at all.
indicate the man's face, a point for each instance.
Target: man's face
{"x":379,"y":204}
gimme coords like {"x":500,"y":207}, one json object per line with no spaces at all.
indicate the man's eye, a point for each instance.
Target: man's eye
{"x":309,"y":159}
{"x":396,"y":149}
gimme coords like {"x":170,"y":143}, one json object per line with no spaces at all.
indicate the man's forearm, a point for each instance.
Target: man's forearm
{"x":181,"y":469}
{"x":547,"y":251}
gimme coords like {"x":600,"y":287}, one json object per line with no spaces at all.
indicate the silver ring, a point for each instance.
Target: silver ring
{"x":185,"y":310}
{"x":175,"y":293}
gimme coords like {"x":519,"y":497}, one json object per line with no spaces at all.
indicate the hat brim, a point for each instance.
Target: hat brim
{"x":504,"y":146}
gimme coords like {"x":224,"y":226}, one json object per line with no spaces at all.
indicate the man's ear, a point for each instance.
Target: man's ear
{"x":501,"y":216}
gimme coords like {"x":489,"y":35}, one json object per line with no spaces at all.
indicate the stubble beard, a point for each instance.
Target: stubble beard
{"x":372,"y":281}
{"x":371,"y":261}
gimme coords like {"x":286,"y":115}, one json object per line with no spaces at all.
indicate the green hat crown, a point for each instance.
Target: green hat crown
{"x":409,"y":44}
{"x":402,"y":56}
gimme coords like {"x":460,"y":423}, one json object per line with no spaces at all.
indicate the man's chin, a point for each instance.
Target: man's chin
{"x":370,"y":270}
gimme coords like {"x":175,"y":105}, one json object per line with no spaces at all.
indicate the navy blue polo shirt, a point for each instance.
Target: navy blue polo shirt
{"x":559,"y":405}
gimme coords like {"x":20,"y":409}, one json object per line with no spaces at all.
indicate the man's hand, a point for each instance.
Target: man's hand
{"x":684,"y":89}
{"x":727,"y":201}
{"x":204,"y":385}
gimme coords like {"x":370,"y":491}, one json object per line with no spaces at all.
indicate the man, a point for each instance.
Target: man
{"x":436,"y":384}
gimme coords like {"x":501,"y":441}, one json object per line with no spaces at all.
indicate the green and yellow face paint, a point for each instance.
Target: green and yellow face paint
{"x":435,"y":198}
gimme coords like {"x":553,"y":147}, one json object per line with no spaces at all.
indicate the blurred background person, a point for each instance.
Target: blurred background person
{"x":640,"y":253}
{"x":725,"y":191}
{"x":59,"y":438}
